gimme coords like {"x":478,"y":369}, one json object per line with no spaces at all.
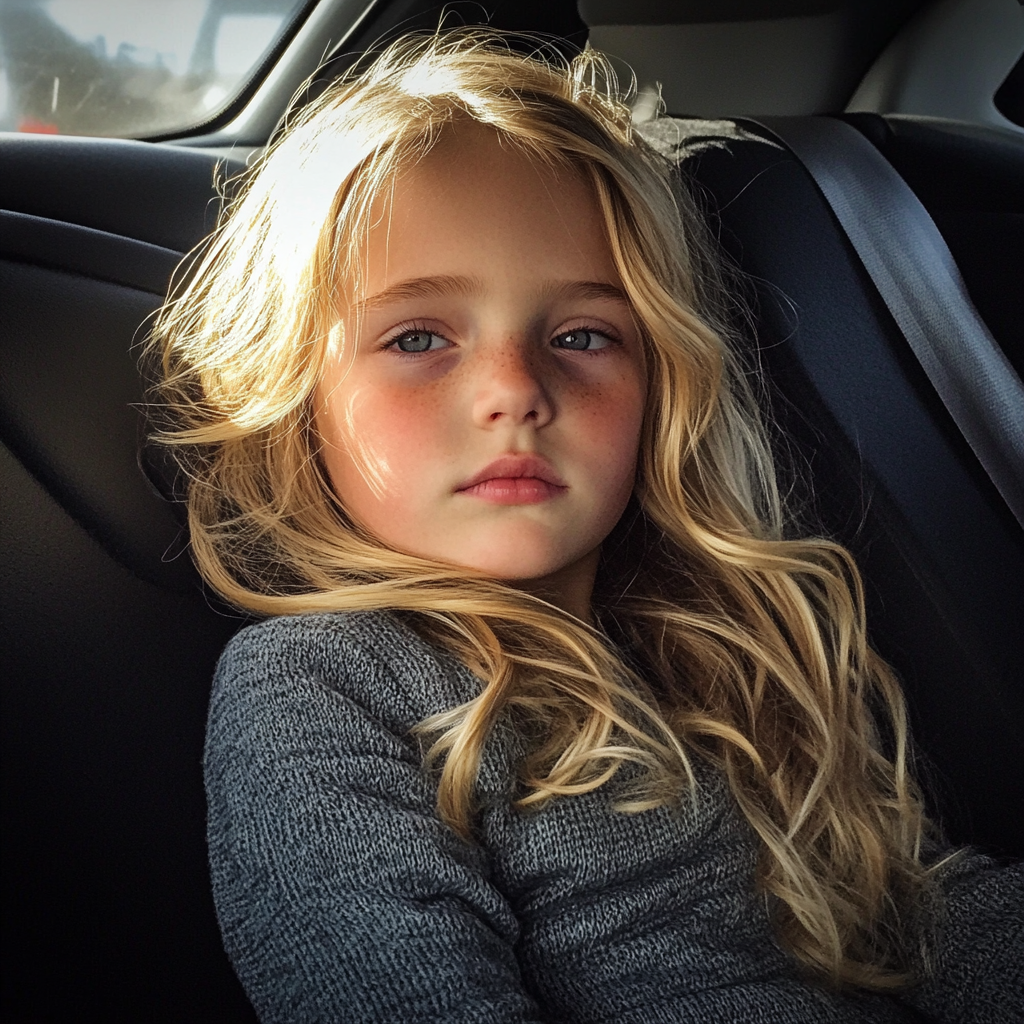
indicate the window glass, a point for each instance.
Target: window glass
{"x":129,"y":67}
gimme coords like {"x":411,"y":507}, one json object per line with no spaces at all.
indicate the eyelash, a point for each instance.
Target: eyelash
{"x":416,"y":327}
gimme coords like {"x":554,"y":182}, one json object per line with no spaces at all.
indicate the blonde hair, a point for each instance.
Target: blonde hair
{"x":719,"y":638}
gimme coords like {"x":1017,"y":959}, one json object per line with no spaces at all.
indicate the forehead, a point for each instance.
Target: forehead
{"x":477,"y":205}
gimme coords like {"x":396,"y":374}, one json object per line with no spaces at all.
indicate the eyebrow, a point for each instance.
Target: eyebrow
{"x":448,"y":284}
{"x":420,"y":288}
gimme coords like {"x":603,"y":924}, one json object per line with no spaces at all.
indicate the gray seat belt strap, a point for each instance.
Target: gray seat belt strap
{"x":913,"y":270}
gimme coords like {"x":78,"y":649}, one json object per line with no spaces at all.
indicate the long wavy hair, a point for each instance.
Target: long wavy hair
{"x":718,"y":638}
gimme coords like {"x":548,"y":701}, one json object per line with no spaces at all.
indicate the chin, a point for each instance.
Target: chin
{"x":512,"y":567}
{"x":512,"y":559}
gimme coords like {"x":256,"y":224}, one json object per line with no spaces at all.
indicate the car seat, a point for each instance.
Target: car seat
{"x":108,"y":639}
{"x":877,"y":462}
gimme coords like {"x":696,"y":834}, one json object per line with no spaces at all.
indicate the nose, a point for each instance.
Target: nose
{"x":511,"y":387}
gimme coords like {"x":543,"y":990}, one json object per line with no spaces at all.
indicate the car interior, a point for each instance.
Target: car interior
{"x":109,"y":636}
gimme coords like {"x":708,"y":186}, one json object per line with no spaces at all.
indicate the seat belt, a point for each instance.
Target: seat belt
{"x":914,"y":271}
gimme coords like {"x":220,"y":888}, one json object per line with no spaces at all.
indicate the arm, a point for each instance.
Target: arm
{"x":977,"y":974}
{"x":340,"y":894}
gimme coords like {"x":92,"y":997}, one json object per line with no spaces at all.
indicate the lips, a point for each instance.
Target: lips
{"x":515,"y":480}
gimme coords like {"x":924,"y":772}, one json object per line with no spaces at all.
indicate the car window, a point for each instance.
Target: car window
{"x":131,"y":68}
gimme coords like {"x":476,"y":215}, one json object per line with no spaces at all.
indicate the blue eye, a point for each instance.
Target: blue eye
{"x":581,"y":340}
{"x":419,"y":341}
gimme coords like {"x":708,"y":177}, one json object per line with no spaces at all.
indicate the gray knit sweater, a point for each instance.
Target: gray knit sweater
{"x":342,"y":896}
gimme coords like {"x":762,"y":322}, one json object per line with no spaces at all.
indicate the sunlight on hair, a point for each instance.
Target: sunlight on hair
{"x":425,"y":79}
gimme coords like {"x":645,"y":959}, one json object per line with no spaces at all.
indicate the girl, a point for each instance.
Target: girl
{"x":552,"y":723}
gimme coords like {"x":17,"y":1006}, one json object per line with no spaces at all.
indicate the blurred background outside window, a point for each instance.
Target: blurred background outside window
{"x":130,"y":67}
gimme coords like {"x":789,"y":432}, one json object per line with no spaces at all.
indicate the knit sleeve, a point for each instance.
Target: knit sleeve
{"x":340,"y":894}
{"x":977,"y":969}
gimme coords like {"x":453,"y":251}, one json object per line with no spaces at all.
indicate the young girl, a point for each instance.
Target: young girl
{"x":552,"y":723}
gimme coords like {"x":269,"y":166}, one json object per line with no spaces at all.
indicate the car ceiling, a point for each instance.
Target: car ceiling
{"x":707,"y":58}
{"x":712,"y":58}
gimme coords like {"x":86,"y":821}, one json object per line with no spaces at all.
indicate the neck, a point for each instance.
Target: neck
{"x":569,"y":588}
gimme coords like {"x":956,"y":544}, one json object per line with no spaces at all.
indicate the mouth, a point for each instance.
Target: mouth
{"x":516,"y":479}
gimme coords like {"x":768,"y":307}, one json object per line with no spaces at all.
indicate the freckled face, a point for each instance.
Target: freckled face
{"x":486,"y":408}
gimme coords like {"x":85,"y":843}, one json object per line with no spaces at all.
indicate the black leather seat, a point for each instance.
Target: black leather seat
{"x":108,"y":642}
{"x":108,"y":645}
{"x":879,"y":463}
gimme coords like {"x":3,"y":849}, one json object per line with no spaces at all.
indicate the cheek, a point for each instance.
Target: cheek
{"x":380,"y":446}
{"x":608,"y":428}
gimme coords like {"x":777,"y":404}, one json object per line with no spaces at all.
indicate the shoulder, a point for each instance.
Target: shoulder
{"x":324,"y":704}
{"x":369,"y":658}
{"x":303,"y":637}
